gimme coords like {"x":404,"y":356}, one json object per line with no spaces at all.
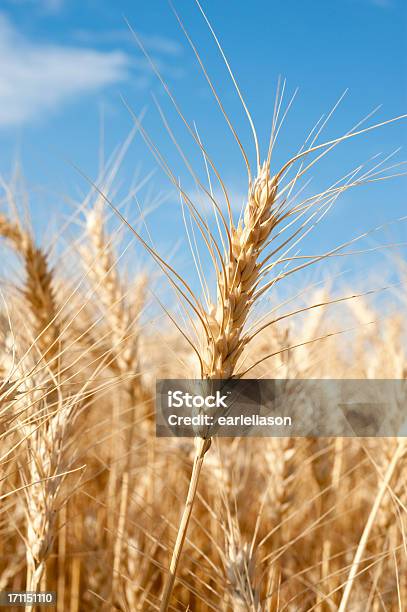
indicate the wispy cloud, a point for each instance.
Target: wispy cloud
{"x":382,"y":3}
{"x":35,"y":78}
{"x":49,"y":6}
{"x":53,"y":5}
{"x":164,"y":51}
{"x":154,"y":43}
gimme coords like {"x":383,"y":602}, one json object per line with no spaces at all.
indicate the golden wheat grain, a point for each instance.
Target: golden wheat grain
{"x":240,"y":567}
{"x":239,"y":278}
{"x":45,"y":436}
{"x":38,"y":290}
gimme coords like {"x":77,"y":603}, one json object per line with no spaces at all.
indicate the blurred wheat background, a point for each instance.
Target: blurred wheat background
{"x":91,"y":498}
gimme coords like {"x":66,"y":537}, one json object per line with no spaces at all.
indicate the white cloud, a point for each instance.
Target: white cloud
{"x":53,"y":5}
{"x":49,"y":6}
{"x":381,"y":3}
{"x":35,"y":78}
{"x":154,"y":43}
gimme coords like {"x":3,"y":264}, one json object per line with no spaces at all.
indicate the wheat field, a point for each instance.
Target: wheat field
{"x":93,"y":503}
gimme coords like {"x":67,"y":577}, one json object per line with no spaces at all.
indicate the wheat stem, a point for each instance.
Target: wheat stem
{"x":369,"y":524}
{"x":202,"y":446}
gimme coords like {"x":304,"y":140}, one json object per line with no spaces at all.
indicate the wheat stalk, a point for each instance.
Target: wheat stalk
{"x":384,"y":486}
{"x":122,"y":352}
{"x":236,"y":283}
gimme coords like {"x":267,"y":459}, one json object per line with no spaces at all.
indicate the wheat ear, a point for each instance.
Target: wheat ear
{"x":103,"y":274}
{"x":240,"y":565}
{"x":121,"y":314}
{"x":38,"y":291}
{"x":238,"y":280}
{"x":46,"y":463}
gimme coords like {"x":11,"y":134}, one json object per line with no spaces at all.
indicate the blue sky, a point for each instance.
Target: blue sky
{"x":64,"y":64}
